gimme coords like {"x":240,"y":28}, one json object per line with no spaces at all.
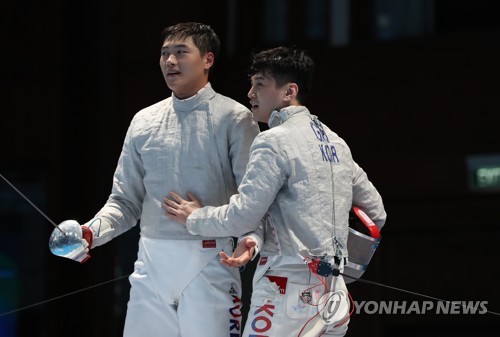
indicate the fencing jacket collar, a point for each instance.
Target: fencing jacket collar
{"x":280,"y":116}
{"x":191,"y":103}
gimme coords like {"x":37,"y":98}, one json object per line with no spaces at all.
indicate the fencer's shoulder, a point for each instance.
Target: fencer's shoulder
{"x":149,"y":116}
{"x":154,"y":110}
{"x":338,"y":139}
{"x":270,"y":139}
{"x":227,"y":105}
{"x":277,"y":134}
{"x":334,"y":136}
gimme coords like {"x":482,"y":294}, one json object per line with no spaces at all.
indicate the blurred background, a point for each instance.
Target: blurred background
{"x":411,"y":85}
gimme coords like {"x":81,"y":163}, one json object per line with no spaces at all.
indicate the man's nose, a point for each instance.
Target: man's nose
{"x":171,"y":60}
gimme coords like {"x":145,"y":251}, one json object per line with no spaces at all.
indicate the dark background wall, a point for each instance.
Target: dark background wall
{"x":412,"y":88}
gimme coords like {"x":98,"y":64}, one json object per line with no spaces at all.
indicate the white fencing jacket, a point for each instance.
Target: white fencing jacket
{"x":302,"y":179}
{"x":200,"y":144}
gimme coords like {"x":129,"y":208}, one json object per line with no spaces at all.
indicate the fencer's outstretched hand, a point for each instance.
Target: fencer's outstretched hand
{"x":242,"y":254}
{"x":179,"y":208}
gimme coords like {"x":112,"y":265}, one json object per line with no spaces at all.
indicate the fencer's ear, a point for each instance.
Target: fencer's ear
{"x":209,"y":60}
{"x":291,"y":91}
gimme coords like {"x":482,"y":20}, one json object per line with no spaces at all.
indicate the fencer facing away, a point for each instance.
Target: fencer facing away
{"x":302,"y":180}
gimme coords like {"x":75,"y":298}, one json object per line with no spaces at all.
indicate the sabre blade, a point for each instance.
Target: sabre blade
{"x":32,"y":204}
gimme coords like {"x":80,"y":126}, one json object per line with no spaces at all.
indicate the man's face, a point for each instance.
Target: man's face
{"x":185,"y":70}
{"x":265,"y":96}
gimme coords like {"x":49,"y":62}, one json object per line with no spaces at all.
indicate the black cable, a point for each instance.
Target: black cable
{"x":62,"y":296}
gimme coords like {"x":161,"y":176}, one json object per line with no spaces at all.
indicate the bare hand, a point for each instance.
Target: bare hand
{"x":242,"y":254}
{"x":179,"y":208}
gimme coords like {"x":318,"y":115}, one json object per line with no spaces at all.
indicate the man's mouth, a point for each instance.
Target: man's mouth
{"x":173,"y":73}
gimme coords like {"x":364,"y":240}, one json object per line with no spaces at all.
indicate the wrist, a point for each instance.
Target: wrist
{"x":87,"y":235}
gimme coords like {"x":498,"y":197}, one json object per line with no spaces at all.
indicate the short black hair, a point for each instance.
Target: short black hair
{"x":285,"y":64}
{"x":204,"y":37}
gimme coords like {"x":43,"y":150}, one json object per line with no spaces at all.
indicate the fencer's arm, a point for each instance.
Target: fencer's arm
{"x":123,"y":207}
{"x":265,"y":175}
{"x":257,"y":236}
{"x":99,"y":229}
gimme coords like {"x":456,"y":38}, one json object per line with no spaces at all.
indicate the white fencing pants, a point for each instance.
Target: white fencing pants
{"x":180,"y":289}
{"x":285,"y":301}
